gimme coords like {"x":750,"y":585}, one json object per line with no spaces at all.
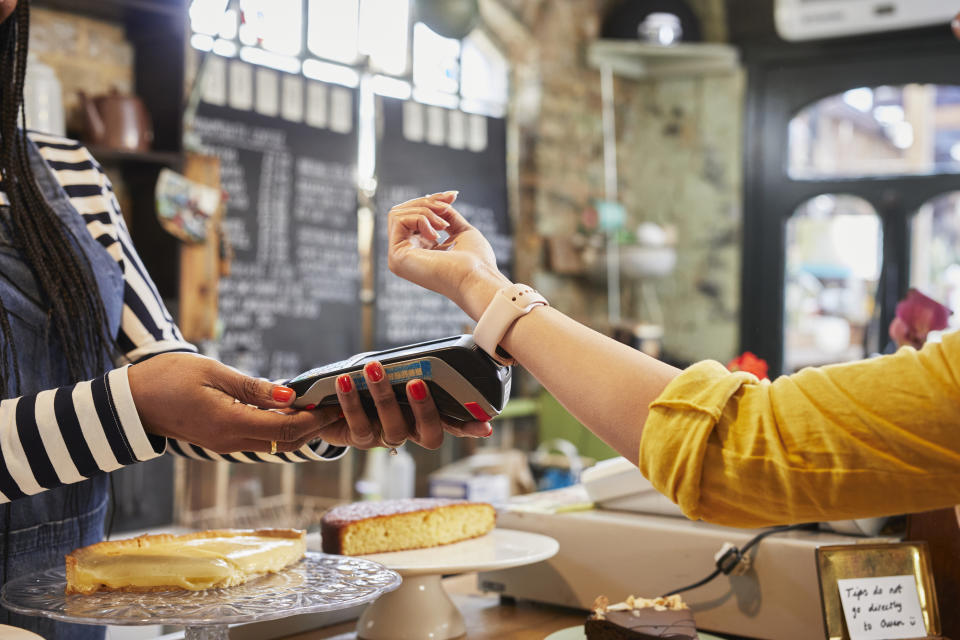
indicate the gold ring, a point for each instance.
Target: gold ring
{"x":273,"y":446}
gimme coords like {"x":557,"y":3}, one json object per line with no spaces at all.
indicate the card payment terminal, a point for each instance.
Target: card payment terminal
{"x":464,"y":381}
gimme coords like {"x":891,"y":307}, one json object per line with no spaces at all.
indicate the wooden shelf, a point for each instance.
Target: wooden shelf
{"x":640,"y":60}
{"x":105,"y":155}
{"x":115,"y":10}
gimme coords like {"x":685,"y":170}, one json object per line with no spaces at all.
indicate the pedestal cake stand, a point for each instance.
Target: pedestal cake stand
{"x":319,"y":582}
{"x":421,"y":608}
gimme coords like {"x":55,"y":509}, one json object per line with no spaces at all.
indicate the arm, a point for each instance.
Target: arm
{"x":147,"y":330}
{"x":856,"y":440}
{"x":861,"y":439}
{"x":61,"y":436}
{"x":607,"y":385}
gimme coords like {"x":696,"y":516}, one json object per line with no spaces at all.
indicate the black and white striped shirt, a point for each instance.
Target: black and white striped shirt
{"x":65,"y":435}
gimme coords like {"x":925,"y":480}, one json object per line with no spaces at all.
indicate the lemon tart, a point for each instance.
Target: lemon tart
{"x":193,"y":561}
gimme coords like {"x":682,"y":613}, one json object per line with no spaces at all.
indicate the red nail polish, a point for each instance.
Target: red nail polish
{"x":418,"y":390}
{"x":345,"y":384}
{"x":310,"y":406}
{"x":340,"y":416}
{"x":282,"y":394}
{"x":489,"y":433}
{"x":374,"y":371}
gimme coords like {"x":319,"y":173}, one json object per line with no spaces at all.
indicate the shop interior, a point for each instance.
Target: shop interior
{"x":755,"y":182}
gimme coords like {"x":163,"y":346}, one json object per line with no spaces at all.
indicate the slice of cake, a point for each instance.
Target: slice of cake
{"x":396,"y":525}
{"x":641,"y":619}
{"x":194,"y":561}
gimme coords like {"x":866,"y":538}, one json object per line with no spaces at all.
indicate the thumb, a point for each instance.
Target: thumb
{"x":260,"y":393}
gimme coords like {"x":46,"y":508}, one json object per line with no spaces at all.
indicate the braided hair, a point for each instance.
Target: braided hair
{"x":47,"y":245}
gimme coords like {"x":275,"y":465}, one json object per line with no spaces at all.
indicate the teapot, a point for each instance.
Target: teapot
{"x":116,"y":121}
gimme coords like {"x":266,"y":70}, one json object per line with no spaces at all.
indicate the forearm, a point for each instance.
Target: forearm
{"x":315,"y":451}
{"x":61,"y":436}
{"x":606,"y":385}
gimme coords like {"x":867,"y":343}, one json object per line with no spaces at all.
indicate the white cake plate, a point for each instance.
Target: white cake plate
{"x":319,"y":582}
{"x":421,"y":608}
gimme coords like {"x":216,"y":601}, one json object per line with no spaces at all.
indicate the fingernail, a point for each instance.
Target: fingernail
{"x":345,"y":383}
{"x":340,"y":415}
{"x":310,"y":407}
{"x":454,"y":193}
{"x":418,"y":390}
{"x":282,"y":394}
{"x":374,"y":371}
{"x":489,"y":431}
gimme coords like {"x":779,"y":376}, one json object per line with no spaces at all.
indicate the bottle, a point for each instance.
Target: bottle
{"x":371,"y":482}
{"x":400,"y":477}
{"x":43,"y":98}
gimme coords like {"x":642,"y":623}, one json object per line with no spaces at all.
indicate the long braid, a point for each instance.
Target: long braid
{"x":62,"y":270}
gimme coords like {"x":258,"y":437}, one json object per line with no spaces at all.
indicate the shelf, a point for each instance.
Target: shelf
{"x":640,"y":60}
{"x":115,"y":10}
{"x":105,"y":155}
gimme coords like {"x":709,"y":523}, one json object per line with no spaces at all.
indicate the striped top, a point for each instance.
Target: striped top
{"x":65,"y":435}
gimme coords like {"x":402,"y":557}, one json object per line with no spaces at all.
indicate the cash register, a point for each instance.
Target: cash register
{"x":634,"y":541}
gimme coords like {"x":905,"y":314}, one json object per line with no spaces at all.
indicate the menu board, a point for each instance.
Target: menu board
{"x":288,"y":152}
{"x":426,"y":149}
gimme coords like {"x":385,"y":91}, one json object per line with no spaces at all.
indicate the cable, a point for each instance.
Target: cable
{"x":730,"y":557}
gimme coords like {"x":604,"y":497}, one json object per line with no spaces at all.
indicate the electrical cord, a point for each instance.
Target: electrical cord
{"x":731,"y":559}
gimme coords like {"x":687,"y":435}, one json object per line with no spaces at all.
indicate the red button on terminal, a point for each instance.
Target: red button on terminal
{"x":476,"y":411}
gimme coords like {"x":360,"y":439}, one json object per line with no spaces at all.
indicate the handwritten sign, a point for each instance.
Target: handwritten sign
{"x":882,"y":608}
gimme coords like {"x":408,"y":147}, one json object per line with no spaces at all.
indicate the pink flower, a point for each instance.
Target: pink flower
{"x":917,"y":315}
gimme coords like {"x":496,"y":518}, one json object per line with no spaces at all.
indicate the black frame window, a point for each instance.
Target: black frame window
{"x":784,"y":79}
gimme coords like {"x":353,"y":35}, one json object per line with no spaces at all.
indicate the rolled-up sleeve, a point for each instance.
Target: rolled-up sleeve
{"x":873,"y":437}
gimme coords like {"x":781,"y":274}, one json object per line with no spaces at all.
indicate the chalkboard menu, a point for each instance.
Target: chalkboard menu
{"x":425,"y":149}
{"x":288,"y":152}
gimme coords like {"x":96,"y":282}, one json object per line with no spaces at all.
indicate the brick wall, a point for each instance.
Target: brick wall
{"x":679,"y":144}
{"x":86,"y":54}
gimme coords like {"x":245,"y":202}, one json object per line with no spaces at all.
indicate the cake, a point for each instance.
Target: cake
{"x":193,"y":561}
{"x":397,"y":525}
{"x":641,"y":619}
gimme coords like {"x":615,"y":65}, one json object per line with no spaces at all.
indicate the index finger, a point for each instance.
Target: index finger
{"x":445,"y":196}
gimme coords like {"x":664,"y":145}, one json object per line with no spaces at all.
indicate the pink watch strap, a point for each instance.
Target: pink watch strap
{"x":508,"y":305}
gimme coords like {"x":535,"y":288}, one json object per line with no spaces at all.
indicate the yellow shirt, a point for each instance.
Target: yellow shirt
{"x":867,"y":438}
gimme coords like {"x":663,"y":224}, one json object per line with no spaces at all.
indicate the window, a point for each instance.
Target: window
{"x":875,"y":131}
{"x":834,"y":246}
{"x":935,"y":251}
{"x":340,"y":41}
{"x":850,"y":194}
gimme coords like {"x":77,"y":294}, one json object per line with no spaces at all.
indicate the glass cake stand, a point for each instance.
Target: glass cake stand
{"x":319,"y":582}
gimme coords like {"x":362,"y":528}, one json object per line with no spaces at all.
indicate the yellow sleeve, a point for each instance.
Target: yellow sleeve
{"x":867,"y":438}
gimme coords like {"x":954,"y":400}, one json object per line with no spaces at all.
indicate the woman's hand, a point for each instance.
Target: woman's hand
{"x":463,"y":267}
{"x":197,"y":399}
{"x":422,"y":424}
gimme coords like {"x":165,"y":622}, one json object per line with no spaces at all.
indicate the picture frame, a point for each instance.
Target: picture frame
{"x":874,"y":560}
